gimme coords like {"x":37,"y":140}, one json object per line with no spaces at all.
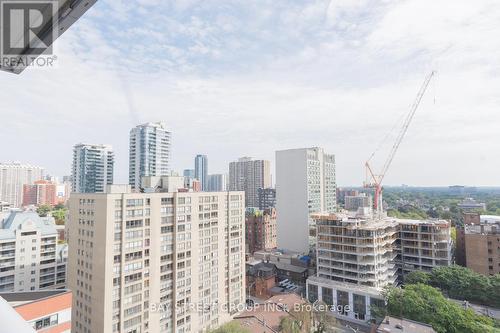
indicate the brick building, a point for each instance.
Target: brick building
{"x":42,"y":192}
{"x":478,"y":243}
{"x":260,"y":229}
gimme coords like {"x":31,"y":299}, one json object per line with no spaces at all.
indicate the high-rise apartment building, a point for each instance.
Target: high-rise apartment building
{"x":201,"y":170}
{"x":217,"y":183}
{"x":149,"y":152}
{"x":260,"y":229}
{"x":249,"y":175}
{"x":92,"y":168}
{"x":188,"y":173}
{"x":305,"y":184}
{"x":267,"y":198}
{"x":155,"y":262}
{"x":30,"y":258}
{"x":13,"y":176}
{"x":42,"y":192}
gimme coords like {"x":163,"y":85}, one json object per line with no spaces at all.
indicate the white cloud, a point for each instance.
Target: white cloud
{"x":248,"y":78}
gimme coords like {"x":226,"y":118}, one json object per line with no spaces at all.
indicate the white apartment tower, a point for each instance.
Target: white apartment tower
{"x":12,"y":178}
{"x":156,"y":262}
{"x":92,"y":168}
{"x":305,"y":184}
{"x":30,"y":258}
{"x":149,"y":152}
{"x":249,"y":175}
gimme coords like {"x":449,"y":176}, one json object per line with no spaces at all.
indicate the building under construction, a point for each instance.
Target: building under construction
{"x":359,"y":254}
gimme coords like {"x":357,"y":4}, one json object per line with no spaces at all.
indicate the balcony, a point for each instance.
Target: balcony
{"x":7,"y":288}
{"x":47,"y":271}
{"x":7,"y":247}
{"x":46,"y":261}
{"x":48,"y":241}
{"x":47,"y":255}
{"x":48,"y":278}
{"x":7,"y":253}
{"x":47,"y":248}
{"x":7,"y":280}
{"x":8,"y":263}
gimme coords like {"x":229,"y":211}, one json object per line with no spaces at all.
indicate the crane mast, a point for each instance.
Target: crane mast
{"x":375,"y":181}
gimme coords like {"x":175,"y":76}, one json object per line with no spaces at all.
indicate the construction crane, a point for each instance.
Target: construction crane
{"x":375,"y":180}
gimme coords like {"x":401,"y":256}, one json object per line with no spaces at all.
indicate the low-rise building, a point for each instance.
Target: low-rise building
{"x":261,"y":278}
{"x":30,"y":257}
{"x":291,"y":266}
{"x":45,"y":311}
{"x":471,"y":204}
{"x":478,"y":242}
{"x":266,"y":317}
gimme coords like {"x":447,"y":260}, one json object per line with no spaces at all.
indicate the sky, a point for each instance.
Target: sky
{"x":246,"y":78}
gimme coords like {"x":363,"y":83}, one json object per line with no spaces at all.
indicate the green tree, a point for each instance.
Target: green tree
{"x":290,"y":325}
{"x":417,"y":277}
{"x":231,"y":327}
{"x":464,"y":284}
{"x":454,"y":234}
{"x":60,"y":216}
{"x":322,"y":318}
{"x":43,"y":210}
{"x":427,"y":304}
{"x":59,"y":206}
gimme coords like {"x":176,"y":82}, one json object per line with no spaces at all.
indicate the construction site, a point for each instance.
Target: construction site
{"x":360,"y":250}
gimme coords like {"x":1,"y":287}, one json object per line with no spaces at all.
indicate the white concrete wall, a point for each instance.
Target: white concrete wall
{"x":291,"y":200}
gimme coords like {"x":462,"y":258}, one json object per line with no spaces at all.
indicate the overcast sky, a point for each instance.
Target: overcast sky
{"x":247,"y":78}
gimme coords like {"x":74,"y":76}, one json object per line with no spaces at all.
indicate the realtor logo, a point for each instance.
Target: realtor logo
{"x":28,"y":30}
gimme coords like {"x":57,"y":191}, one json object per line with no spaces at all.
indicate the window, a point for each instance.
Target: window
{"x":45,"y":322}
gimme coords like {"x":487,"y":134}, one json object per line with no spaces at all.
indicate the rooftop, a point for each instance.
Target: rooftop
{"x":25,"y":220}
{"x":482,"y":229}
{"x":490,"y":218}
{"x":22,"y":298}
{"x":266,"y":317}
{"x":434,"y":222}
{"x":368,"y":222}
{"x":291,"y":268}
{"x":394,"y":325}
{"x":365,"y":223}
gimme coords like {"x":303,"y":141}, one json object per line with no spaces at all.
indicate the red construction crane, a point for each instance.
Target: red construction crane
{"x":376,"y":179}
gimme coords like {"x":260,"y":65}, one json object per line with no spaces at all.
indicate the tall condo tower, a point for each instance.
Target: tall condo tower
{"x":149,"y":152}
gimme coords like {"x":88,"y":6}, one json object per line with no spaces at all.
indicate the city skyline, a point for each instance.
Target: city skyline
{"x":267,"y":73}
{"x":265,"y":166}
